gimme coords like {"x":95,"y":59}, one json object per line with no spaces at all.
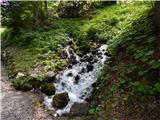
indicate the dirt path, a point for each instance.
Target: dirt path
{"x":17,"y":105}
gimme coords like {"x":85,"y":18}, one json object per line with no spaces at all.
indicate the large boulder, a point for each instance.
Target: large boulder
{"x":60,"y":100}
{"x":48,"y":88}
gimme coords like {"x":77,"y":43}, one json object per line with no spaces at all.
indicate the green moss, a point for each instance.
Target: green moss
{"x":48,"y":88}
{"x":26,"y":87}
{"x":35,"y":83}
{"x":60,"y":100}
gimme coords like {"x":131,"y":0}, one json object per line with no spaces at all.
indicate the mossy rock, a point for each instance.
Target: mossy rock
{"x":35,"y":83}
{"x":50,"y":77}
{"x":60,"y":100}
{"x":48,"y":88}
{"x":26,"y":87}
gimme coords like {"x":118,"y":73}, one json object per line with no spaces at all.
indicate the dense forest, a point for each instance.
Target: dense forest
{"x":86,"y":60}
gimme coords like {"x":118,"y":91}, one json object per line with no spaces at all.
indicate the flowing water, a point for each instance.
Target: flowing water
{"x":78,"y":79}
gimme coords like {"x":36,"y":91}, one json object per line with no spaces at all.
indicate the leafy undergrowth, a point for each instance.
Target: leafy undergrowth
{"x":130,"y":77}
{"x":129,"y":84}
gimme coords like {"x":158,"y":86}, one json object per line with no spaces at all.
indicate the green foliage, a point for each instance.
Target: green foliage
{"x":48,"y":88}
{"x":73,"y":9}
{"x":94,"y":110}
{"x":128,"y":31}
{"x":20,"y":84}
{"x":8,"y":33}
{"x":157,"y":87}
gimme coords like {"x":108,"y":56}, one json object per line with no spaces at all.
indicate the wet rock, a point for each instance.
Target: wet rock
{"x":82,"y":71}
{"x":78,"y":109}
{"x":60,"y":100}
{"x":106,"y":54}
{"x":87,"y":58}
{"x":95,"y":51}
{"x":70,"y":41}
{"x":19,"y":75}
{"x":69,"y":66}
{"x":94,"y":61}
{"x":64,"y":55}
{"x":89,"y":67}
{"x":63,"y":84}
{"x":48,"y":88}
{"x":73,"y":60}
{"x":69,"y":74}
{"x":98,"y":53}
{"x":94,"y":84}
{"x":76,"y":79}
{"x":50,"y":76}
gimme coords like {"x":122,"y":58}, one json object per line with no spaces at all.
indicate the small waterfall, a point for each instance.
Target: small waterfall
{"x":87,"y":73}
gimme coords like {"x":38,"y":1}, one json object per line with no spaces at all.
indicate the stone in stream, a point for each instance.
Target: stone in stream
{"x":73,"y":60}
{"x":89,"y":67}
{"x":64,"y":55}
{"x":69,"y":66}
{"x":60,"y":100}
{"x":87,"y":58}
{"x":76,"y":79}
{"x":48,"y":88}
{"x":82,"y":71}
{"x":63,"y":84}
{"x":69,"y":74}
{"x":70,"y":42}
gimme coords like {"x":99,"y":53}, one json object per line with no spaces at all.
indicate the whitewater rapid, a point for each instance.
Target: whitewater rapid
{"x":81,"y":89}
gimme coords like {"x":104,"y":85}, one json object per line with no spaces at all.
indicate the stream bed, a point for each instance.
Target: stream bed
{"x":77,"y":80}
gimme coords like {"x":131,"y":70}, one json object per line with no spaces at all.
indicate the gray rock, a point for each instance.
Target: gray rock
{"x":36,"y":71}
{"x":19,"y":75}
{"x":50,"y":76}
{"x":78,"y":109}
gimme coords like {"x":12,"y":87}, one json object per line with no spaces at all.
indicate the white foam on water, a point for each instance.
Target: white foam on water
{"x":81,"y":90}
